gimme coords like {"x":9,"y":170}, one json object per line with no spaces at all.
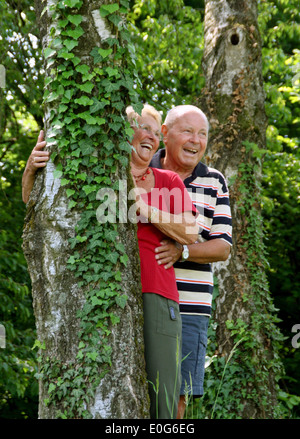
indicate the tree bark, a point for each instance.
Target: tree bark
{"x":58,"y":295}
{"x":233,"y":100}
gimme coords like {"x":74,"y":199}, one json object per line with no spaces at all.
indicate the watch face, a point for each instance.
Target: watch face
{"x":185,"y":254}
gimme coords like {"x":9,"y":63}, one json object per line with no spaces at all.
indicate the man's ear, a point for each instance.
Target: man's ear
{"x":164,"y":130}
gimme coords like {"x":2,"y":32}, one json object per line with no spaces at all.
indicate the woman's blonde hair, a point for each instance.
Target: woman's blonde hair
{"x":147,"y":110}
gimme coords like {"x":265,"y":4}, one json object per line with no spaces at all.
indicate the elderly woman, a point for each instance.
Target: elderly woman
{"x":164,"y":209}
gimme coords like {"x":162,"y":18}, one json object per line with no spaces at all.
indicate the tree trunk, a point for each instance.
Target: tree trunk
{"x":90,"y":337}
{"x":233,"y":100}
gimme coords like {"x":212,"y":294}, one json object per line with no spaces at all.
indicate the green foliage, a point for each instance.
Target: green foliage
{"x":169,"y":43}
{"x":280,"y":29}
{"x":19,"y":111}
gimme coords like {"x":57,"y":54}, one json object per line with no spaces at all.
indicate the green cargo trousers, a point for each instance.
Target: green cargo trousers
{"x":162,"y":336}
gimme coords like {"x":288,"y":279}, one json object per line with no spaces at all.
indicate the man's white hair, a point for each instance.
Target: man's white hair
{"x":180,"y":110}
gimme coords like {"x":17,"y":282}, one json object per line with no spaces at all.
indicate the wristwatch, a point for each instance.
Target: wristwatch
{"x":185,"y":253}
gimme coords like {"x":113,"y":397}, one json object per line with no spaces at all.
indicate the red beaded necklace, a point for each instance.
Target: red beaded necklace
{"x":143,"y":176}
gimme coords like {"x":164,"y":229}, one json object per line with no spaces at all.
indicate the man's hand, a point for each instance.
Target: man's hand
{"x":168,"y":253}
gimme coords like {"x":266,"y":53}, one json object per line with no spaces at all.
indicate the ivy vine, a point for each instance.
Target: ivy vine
{"x":89,"y":135}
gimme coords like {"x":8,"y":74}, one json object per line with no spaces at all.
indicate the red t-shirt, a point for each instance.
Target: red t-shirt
{"x":170,"y":195}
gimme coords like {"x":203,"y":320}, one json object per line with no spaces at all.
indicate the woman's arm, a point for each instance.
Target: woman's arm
{"x":180,"y":227}
{"x":37,"y":159}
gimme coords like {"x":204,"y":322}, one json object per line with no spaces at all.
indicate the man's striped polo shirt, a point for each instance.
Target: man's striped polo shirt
{"x":209,"y":192}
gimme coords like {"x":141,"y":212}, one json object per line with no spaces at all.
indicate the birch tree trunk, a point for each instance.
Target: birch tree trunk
{"x":233,"y":100}
{"x":90,"y":365}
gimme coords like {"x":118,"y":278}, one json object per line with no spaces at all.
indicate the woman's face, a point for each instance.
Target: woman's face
{"x":145,"y":140}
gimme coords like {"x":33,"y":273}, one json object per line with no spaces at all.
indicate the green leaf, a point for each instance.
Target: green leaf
{"x":70,"y":44}
{"x":104,"y":52}
{"x":98,"y":105}
{"x":121,"y":300}
{"x":88,"y":189}
{"x":62,"y":23}
{"x":114,"y":319}
{"x":48,"y":52}
{"x":87,"y":117}
{"x":84,"y":100}
{"x":70,"y":192}
{"x":73,"y":3}
{"x":86,"y":147}
{"x":72,"y":204}
{"x":83,"y":69}
{"x":51,"y":387}
{"x":64,"y":182}
{"x":87,"y":87}
{"x":57,"y":173}
{"x":75,"y":33}
{"x":75,"y":19}
{"x":65,"y":55}
{"x":112,"y":72}
{"x":108,"y":9}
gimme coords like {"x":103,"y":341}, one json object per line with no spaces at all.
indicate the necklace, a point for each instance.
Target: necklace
{"x":143,"y":176}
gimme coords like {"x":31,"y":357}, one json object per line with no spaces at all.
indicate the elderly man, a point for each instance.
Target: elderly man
{"x":185,"y":132}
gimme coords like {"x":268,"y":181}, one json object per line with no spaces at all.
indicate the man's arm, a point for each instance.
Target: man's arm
{"x":201,"y":252}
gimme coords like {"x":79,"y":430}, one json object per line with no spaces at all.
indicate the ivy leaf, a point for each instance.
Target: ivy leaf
{"x":98,"y":105}
{"x":75,"y":19}
{"x":115,"y":19}
{"x":73,"y":3}
{"x":57,"y":173}
{"x":83,"y":69}
{"x":75,"y":33}
{"x":124,"y":259}
{"x":91,"y":120}
{"x":63,"y":23}
{"x":70,"y":192}
{"x":104,"y":52}
{"x":66,"y":55}
{"x":84,"y":100}
{"x":64,"y":181}
{"x":86,"y":147}
{"x":112,"y":72}
{"x":113,"y":257}
{"x":90,"y":130}
{"x":108,"y":9}
{"x":87,"y":87}
{"x":69,"y":93}
{"x":70,"y":44}
{"x":49,"y":52}
{"x":51,"y":387}
{"x":51,"y":97}
{"x":71,"y":204}
{"x":114,"y":319}
{"x":121,"y":300}
{"x":88,"y":189}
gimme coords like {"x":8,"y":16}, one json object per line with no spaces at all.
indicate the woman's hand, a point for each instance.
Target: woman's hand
{"x":38,"y":157}
{"x":168,"y":253}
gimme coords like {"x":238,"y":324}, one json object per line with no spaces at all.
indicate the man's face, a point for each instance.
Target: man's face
{"x":186,"y":141}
